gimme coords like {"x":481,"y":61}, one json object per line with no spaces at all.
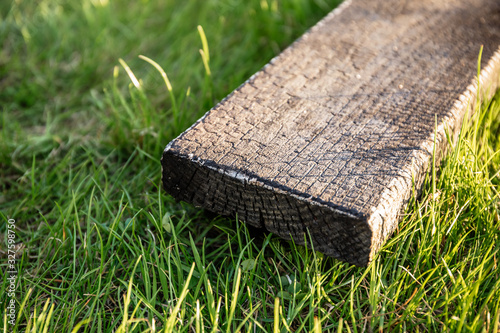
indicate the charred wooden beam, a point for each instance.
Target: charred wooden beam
{"x":331,"y":136}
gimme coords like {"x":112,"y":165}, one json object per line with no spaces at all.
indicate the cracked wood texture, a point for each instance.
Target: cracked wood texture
{"x":327,"y":140}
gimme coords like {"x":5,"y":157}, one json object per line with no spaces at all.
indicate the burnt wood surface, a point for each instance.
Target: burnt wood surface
{"x":328,"y":139}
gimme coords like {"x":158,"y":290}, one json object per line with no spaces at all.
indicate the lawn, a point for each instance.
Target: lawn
{"x":99,"y":246}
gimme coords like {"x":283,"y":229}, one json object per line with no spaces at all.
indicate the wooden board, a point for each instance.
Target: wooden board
{"x":328,"y":136}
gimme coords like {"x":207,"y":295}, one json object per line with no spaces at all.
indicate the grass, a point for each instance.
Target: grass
{"x":101,"y":248}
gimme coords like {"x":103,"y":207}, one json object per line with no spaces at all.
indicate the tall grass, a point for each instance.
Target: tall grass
{"x":101,"y":248}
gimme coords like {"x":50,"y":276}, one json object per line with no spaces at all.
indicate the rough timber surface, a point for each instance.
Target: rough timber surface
{"x":328,"y":138}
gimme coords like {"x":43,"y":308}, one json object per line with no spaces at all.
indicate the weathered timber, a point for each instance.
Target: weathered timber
{"x":329,"y":137}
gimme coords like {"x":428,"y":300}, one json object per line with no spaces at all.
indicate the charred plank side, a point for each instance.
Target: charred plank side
{"x":330,"y":137}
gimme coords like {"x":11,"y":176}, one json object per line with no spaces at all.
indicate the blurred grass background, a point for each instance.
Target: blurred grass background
{"x":101,"y":248}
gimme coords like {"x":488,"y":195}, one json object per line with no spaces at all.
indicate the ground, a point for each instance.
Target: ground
{"x":93,"y":243}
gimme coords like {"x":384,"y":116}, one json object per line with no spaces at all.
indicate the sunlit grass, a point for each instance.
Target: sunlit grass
{"x":101,"y":248}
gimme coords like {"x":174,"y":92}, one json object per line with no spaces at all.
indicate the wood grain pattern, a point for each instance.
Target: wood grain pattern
{"x":330,"y":135}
